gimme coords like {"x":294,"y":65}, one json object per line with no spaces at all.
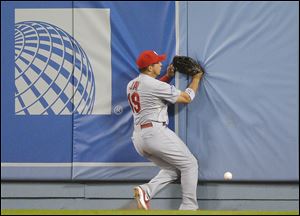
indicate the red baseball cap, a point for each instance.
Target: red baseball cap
{"x":149,"y":57}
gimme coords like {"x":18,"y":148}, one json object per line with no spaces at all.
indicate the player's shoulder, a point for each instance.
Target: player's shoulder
{"x":153,"y":84}
{"x":161,"y":84}
{"x":131,"y":81}
{"x":147,"y":82}
{"x":152,"y":81}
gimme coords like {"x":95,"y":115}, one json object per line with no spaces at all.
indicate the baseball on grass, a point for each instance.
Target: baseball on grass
{"x":227,"y":175}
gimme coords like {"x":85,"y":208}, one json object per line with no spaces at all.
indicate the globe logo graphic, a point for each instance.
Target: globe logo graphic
{"x":53,"y":75}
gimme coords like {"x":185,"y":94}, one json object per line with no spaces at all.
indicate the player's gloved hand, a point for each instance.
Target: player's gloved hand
{"x":187,"y":65}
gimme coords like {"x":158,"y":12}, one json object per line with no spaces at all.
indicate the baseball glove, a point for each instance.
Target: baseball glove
{"x":186,"y":65}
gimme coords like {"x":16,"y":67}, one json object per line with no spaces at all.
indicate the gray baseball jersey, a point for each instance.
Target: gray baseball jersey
{"x":149,"y":98}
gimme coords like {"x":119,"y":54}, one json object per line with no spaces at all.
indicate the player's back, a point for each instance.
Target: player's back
{"x":144,"y":99}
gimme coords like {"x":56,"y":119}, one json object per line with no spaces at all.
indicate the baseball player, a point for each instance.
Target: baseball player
{"x":152,"y":139}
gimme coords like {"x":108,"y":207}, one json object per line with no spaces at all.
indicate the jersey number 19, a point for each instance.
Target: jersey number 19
{"x":134,"y":101}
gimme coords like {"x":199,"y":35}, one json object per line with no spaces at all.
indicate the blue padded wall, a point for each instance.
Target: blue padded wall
{"x":245,"y":118}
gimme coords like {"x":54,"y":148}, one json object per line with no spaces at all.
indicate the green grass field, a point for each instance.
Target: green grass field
{"x":142,"y":212}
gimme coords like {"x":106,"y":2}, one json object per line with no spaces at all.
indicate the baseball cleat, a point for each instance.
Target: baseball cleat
{"x":141,"y":198}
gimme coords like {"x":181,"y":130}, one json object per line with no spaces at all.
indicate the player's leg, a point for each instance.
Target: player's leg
{"x":143,"y":193}
{"x":166,"y":175}
{"x":163,"y":143}
{"x":175,"y":152}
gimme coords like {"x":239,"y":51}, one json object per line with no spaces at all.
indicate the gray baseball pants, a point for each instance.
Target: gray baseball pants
{"x":163,"y":147}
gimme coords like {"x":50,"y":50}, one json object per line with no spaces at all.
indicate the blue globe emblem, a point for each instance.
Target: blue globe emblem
{"x":53,"y":75}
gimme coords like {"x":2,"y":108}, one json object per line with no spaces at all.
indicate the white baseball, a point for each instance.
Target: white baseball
{"x":228,"y":176}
